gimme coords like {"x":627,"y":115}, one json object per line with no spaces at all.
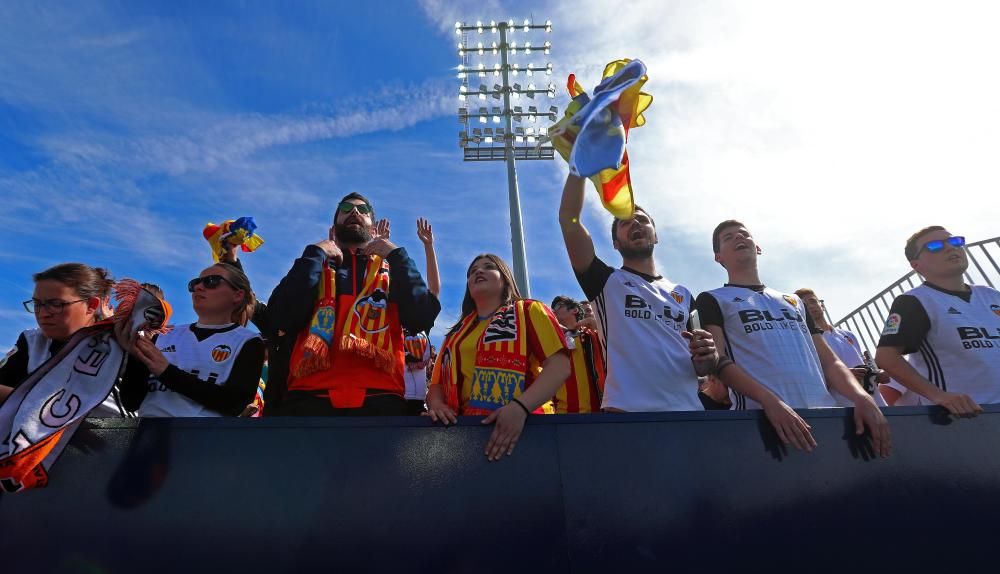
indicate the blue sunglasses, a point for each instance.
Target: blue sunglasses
{"x":938,"y":244}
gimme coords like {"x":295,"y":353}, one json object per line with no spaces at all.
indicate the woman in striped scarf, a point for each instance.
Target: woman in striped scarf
{"x":504,"y":359}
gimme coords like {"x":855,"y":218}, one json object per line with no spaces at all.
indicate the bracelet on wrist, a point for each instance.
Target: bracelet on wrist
{"x":723,"y":363}
{"x":520,"y":404}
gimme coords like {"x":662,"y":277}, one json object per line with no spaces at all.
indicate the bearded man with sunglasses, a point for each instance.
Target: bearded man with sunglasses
{"x":949,"y":329}
{"x":345,"y":303}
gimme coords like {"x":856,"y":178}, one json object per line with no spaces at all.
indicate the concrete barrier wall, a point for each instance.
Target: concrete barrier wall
{"x":590,"y":493}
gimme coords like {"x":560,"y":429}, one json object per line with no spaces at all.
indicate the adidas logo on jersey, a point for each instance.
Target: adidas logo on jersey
{"x":737,"y":300}
{"x":629,"y":284}
{"x":953,"y":311}
{"x":169,"y":349}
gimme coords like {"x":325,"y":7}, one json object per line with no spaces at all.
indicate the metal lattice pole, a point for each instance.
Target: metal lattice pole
{"x":507,"y":143}
{"x":520,"y":258}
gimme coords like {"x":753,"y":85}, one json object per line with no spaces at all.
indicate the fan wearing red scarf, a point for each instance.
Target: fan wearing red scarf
{"x":504,"y":358}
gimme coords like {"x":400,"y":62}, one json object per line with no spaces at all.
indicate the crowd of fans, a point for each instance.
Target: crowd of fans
{"x":345,"y":333}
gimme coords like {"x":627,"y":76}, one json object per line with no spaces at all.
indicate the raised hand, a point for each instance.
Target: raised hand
{"x":331,"y":250}
{"x":424,"y":231}
{"x":381,"y":229}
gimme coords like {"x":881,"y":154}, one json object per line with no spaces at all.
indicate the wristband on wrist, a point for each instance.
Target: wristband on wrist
{"x":520,"y":404}
{"x":723,"y":363}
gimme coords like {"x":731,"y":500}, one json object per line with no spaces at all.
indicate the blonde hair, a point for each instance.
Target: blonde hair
{"x":243,"y":313}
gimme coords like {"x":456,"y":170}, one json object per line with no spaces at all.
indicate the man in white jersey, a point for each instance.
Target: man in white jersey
{"x":845,"y":345}
{"x":642,"y":317}
{"x":950,"y":330}
{"x":774,"y":358}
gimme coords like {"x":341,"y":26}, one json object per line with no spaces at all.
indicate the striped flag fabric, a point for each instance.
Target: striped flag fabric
{"x":593,"y":132}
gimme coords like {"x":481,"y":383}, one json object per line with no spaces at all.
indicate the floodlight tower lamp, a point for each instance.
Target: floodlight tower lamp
{"x":489,"y":141}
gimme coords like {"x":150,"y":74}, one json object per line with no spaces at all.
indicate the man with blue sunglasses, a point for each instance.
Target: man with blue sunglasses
{"x":949,"y":329}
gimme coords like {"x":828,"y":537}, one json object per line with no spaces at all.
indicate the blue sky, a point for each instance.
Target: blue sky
{"x":124,"y":128}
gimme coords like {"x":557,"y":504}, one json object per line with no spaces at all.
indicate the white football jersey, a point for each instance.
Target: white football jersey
{"x":961,"y":352}
{"x":845,"y":346}
{"x":767,"y":335}
{"x":648,"y":362}
{"x":210,"y":359}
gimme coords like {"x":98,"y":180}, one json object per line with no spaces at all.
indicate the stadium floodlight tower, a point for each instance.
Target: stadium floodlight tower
{"x":485,"y":62}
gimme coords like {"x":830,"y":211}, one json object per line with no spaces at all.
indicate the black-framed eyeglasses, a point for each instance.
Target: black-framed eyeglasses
{"x":347,"y":207}
{"x":210,"y":282}
{"x":55,"y":306}
{"x":938,"y":244}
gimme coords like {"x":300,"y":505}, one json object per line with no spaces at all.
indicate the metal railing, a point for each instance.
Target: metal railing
{"x":867,"y":320}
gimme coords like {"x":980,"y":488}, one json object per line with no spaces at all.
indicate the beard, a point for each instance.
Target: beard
{"x":351,"y":235}
{"x":644,"y":252}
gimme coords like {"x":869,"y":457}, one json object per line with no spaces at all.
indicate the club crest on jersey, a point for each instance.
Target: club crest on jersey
{"x":995,"y":309}
{"x":371,"y":312}
{"x":892,"y":324}
{"x":221,"y":353}
{"x":791,"y":300}
{"x":677,"y":297}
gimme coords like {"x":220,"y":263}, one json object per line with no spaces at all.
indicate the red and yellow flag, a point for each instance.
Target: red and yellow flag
{"x":613,"y":185}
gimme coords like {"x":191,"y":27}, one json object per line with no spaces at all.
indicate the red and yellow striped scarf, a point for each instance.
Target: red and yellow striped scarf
{"x":365,"y":329}
{"x":501,"y":361}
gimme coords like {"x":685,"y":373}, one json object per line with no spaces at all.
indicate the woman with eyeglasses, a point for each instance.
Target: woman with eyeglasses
{"x":504,"y":359}
{"x":66,"y":298}
{"x":205,"y":369}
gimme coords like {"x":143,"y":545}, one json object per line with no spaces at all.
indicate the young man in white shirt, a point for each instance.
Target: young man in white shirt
{"x":845,"y":345}
{"x":652,"y":360}
{"x":773,"y":357}
{"x":950,"y":330}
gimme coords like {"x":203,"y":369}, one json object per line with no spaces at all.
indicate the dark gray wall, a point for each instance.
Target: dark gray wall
{"x":594,"y":493}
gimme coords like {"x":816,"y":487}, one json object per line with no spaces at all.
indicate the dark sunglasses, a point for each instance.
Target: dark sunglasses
{"x":347,"y":207}
{"x":210,"y":282}
{"x":938,"y":244}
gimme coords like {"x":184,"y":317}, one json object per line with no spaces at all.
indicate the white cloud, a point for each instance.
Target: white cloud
{"x":832,"y":130}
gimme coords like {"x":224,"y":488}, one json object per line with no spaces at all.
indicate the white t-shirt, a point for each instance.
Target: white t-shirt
{"x":845,"y":345}
{"x":640,"y":321}
{"x":771,"y":339}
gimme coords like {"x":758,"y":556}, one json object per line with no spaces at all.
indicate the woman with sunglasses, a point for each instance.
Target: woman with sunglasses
{"x":505,"y":357}
{"x":66,"y":298}
{"x":209,"y":368}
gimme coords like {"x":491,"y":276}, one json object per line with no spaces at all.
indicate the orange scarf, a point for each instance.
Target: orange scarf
{"x":365,"y":330}
{"x":501,"y":361}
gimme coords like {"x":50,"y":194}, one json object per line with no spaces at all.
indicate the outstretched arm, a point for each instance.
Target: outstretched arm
{"x":426,"y":235}
{"x":579,"y":244}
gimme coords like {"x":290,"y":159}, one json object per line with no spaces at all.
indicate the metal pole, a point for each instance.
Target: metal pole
{"x":520,"y":261}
